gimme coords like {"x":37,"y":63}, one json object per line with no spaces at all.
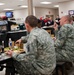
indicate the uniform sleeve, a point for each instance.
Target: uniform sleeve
{"x":31,"y":51}
{"x":61,"y":37}
{"x":56,"y":34}
{"x":24,"y":38}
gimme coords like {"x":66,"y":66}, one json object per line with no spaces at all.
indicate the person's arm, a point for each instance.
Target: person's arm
{"x":61,"y":37}
{"x":55,"y":26}
{"x":32,"y":51}
{"x":24,"y":38}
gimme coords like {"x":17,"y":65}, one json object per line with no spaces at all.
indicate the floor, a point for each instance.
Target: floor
{"x":2,"y":72}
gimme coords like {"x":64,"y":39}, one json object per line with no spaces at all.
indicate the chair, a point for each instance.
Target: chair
{"x":60,"y":66}
{"x":71,"y":71}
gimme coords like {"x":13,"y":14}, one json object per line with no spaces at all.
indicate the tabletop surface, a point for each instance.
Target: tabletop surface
{"x":4,"y":56}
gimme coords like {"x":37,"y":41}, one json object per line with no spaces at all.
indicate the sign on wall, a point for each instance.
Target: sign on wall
{"x":71,"y":12}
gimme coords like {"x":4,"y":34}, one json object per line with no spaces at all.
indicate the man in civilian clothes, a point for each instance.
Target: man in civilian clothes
{"x":40,"y":58}
{"x":50,"y":22}
{"x":57,"y":20}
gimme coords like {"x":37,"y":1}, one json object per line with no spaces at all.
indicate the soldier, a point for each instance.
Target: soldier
{"x":64,"y":42}
{"x":40,"y":58}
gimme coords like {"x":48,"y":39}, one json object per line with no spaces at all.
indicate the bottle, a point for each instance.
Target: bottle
{"x":10,"y":43}
{"x":2,"y":46}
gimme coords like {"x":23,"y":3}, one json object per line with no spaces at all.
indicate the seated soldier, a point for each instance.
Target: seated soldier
{"x":40,"y":58}
{"x":64,"y":42}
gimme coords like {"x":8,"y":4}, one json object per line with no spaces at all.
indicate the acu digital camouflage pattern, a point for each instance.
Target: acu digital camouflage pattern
{"x":40,"y":59}
{"x":65,"y":43}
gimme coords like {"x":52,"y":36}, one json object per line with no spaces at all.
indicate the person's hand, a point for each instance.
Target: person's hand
{"x":9,"y":52}
{"x":54,"y":38}
{"x":55,"y":26}
{"x":18,"y":42}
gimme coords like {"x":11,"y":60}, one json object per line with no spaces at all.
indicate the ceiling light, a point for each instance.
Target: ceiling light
{"x":45,"y":2}
{"x":1,"y":3}
{"x":56,"y":6}
{"x":23,"y":6}
{"x":21,"y":0}
{"x":8,"y":9}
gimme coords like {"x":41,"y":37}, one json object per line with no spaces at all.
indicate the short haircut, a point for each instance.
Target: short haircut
{"x":69,"y":18}
{"x":31,"y":20}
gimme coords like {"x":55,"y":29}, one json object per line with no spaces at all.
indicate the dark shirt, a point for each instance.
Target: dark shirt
{"x":49,"y":23}
{"x":57,"y":21}
{"x":43,"y":23}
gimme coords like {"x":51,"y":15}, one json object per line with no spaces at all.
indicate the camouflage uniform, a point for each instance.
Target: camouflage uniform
{"x":65,"y":43}
{"x":40,"y":59}
{"x":73,"y":23}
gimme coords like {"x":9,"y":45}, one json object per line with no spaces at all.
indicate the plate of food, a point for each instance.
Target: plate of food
{"x":14,"y":49}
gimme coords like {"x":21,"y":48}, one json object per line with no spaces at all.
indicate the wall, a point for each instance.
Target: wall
{"x":2,"y":13}
{"x":38,"y":12}
{"x":45,"y":11}
{"x":65,"y":7}
{"x":22,"y":13}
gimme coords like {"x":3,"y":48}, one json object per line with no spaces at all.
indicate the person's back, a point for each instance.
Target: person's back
{"x":65,"y":40}
{"x":70,"y":36}
{"x":69,"y":41}
{"x":45,"y":57}
{"x":65,"y":43}
{"x":39,"y":58}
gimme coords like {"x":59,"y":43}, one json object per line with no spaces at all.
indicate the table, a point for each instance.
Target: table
{"x":49,"y":28}
{"x":5,"y":59}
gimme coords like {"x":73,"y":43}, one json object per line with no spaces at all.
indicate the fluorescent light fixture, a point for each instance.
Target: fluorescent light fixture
{"x":8,"y":9}
{"x":45,"y":2}
{"x":56,"y":6}
{"x":21,"y":0}
{"x":1,"y":3}
{"x":23,"y":6}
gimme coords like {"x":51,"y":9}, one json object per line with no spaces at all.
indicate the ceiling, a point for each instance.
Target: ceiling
{"x":15,"y":4}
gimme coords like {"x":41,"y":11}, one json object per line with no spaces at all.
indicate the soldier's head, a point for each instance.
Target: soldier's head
{"x":31,"y":22}
{"x":66,"y":20}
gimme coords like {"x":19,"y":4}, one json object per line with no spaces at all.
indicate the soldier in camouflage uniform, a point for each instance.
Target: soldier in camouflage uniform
{"x":65,"y":40}
{"x":40,"y":58}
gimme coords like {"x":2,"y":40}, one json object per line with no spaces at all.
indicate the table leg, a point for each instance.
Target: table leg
{"x":10,"y":70}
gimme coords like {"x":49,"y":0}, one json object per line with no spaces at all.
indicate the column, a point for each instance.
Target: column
{"x":30,"y":7}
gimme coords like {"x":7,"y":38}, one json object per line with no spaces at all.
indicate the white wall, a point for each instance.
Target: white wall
{"x":65,"y":7}
{"x":2,"y":14}
{"x":38,"y":12}
{"x":45,"y":11}
{"x":56,"y":13}
{"x":20,"y":13}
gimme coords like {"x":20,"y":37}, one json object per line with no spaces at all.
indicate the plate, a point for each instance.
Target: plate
{"x":18,"y":50}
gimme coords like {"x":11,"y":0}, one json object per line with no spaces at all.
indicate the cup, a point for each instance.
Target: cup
{"x":21,"y":45}
{"x":17,"y":45}
{"x":1,"y":49}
